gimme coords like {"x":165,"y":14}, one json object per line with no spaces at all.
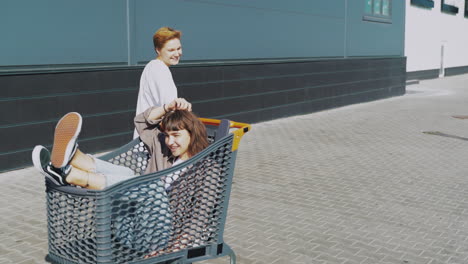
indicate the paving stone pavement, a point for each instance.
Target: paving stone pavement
{"x":357,"y":184}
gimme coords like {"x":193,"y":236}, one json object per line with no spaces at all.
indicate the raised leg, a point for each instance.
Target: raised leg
{"x":86,"y":179}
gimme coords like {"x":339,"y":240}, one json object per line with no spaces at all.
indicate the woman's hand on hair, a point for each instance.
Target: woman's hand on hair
{"x":179,"y":104}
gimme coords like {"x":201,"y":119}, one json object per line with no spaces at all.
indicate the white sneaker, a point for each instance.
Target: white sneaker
{"x":41,"y":161}
{"x":41,"y":158}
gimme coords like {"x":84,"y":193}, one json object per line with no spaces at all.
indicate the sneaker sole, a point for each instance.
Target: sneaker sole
{"x":38,"y":159}
{"x":66,"y":132}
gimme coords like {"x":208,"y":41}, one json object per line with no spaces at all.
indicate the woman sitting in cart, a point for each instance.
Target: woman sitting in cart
{"x":171,"y":132}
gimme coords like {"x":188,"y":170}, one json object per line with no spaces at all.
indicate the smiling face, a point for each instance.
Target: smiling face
{"x":185,"y":134}
{"x":178,"y":142}
{"x":171,"y":52}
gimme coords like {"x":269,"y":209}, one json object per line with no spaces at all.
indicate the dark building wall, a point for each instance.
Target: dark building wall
{"x":249,"y":92}
{"x":33,"y":103}
{"x":419,"y":75}
{"x":434,"y":73}
{"x":456,"y":70}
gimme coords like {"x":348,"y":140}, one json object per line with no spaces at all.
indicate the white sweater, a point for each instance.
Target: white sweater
{"x":156,"y":87}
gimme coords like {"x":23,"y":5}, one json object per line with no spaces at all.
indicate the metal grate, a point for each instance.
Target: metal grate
{"x":72,"y":226}
{"x":135,"y":158}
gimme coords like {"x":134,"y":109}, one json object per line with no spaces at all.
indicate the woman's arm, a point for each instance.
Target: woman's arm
{"x":157,"y":113}
{"x":145,"y":123}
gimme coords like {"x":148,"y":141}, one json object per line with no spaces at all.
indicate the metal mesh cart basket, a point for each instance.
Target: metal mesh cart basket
{"x":172,"y":216}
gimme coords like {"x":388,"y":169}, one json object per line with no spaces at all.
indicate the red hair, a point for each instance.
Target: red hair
{"x":163,"y":35}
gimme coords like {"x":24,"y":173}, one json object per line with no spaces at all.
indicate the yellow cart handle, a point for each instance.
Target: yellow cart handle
{"x":238,"y":133}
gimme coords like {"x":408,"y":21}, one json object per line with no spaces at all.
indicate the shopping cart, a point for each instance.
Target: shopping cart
{"x":172,"y":216}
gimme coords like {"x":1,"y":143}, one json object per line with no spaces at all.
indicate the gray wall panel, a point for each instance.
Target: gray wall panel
{"x":62,"y":32}
{"x":67,"y":33}
{"x":225,"y":29}
{"x":366,"y":38}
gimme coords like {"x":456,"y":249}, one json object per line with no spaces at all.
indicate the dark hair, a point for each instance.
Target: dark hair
{"x":182,"y":119}
{"x":163,"y":35}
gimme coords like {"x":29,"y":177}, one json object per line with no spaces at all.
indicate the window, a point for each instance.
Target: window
{"x":423,"y":3}
{"x":386,"y":7}
{"x":378,"y":11}
{"x":466,"y":8}
{"x":449,"y":6}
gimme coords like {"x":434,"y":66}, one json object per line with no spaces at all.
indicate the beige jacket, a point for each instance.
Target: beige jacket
{"x":153,"y":138}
